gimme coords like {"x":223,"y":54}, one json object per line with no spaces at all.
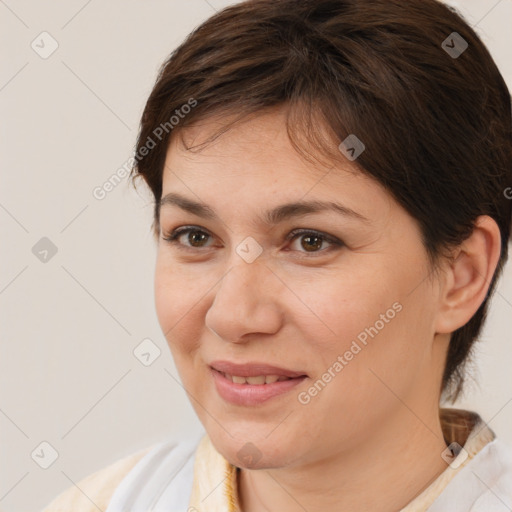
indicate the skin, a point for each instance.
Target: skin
{"x":300,"y":306}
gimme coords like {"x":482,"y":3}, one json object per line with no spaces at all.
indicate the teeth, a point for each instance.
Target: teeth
{"x":258,"y":380}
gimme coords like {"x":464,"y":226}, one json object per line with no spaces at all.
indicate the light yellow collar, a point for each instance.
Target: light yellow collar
{"x":214,"y":488}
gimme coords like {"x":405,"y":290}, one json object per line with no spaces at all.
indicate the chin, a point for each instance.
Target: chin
{"x":248,"y":451}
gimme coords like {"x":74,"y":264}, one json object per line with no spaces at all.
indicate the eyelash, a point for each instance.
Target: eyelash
{"x":174,"y":235}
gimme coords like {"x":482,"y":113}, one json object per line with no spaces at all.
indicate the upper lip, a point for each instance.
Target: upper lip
{"x":253,"y":369}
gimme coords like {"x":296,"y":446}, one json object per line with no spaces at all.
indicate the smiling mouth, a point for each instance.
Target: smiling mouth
{"x":253,"y":383}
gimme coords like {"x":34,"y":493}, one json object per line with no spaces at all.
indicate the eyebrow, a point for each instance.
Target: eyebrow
{"x":271,"y":217}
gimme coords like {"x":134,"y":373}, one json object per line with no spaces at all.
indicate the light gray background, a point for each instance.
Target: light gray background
{"x":69,"y":326}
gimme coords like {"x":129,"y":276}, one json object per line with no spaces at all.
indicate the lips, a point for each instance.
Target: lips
{"x":252,"y":384}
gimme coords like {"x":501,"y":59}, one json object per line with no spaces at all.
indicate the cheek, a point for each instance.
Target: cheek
{"x":346,"y":308}
{"x":359,"y":371}
{"x":177,"y":302}
{"x":373,"y":322}
{"x":166,"y":291}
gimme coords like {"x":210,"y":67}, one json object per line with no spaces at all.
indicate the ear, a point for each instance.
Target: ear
{"x":468,"y":276}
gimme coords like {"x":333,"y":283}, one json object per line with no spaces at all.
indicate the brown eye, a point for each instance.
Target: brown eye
{"x":196,"y":237}
{"x":312,"y":241}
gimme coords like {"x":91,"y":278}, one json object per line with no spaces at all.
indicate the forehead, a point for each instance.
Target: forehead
{"x":254,"y":146}
{"x":255,"y":161}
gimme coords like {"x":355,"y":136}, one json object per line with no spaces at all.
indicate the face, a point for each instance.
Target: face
{"x":335,"y":304}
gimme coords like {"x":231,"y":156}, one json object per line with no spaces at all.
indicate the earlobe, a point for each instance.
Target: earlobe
{"x":469,"y":275}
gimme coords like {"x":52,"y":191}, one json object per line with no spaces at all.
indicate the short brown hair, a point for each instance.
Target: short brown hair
{"x":436,"y":126}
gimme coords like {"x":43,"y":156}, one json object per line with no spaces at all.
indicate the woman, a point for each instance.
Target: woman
{"x":331,"y":217}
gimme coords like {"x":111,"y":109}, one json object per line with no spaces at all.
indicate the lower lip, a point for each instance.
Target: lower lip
{"x":251,"y":394}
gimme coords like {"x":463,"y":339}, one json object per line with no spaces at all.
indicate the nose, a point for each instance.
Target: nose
{"x":246,"y":302}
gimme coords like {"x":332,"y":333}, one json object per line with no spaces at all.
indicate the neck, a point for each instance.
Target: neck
{"x":385,"y":472}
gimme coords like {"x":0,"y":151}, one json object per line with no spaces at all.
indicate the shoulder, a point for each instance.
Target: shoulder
{"x":494,"y":473}
{"x":483,"y":485}
{"x":94,"y":491}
